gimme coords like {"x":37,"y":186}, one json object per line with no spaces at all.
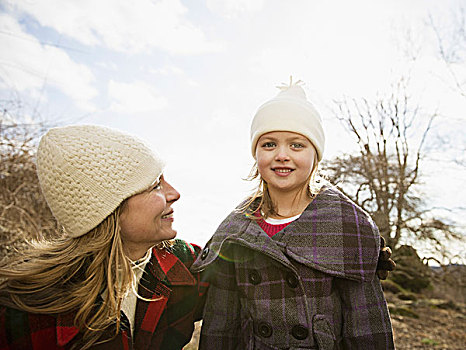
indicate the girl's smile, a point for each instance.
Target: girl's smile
{"x":282,"y":171}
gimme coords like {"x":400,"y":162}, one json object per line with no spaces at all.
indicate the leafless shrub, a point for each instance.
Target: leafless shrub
{"x":24,"y":214}
{"x":449,"y":280}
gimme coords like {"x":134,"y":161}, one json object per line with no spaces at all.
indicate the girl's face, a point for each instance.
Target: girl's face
{"x":147,"y":218}
{"x":285,"y":160}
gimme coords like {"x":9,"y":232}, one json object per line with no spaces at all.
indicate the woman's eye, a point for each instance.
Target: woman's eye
{"x":156,"y":187}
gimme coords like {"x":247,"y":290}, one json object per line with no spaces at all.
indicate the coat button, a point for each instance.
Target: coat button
{"x":254,"y":277}
{"x":299,"y":332}
{"x":292,"y":280}
{"x":204,"y":254}
{"x":264,"y":330}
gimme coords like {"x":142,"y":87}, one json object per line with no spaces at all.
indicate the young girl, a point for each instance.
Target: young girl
{"x":117,"y":278}
{"x":293,"y":267}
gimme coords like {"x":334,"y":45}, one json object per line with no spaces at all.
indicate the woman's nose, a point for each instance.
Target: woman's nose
{"x":171,"y":194}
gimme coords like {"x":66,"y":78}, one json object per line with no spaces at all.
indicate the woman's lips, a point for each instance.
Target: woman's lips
{"x":168,"y":216}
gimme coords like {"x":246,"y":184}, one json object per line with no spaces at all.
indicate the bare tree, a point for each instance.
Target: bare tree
{"x":24,"y":214}
{"x":383,"y":177}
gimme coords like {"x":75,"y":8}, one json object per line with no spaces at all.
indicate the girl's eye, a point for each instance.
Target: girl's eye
{"x":297,"y":145}
{"x":268,"y":144}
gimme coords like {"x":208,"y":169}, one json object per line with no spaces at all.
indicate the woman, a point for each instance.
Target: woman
{"x":116,"y":278}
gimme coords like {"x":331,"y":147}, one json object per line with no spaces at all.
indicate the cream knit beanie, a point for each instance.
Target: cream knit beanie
{"x":289,"y":111}
{"x":87,"y":171}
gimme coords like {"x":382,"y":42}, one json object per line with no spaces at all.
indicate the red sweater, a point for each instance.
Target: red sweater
{"x":271,"y":229}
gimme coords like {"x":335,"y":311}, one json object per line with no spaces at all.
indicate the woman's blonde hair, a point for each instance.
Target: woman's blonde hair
{"x":71,"y":274}
{"x":260,"y":205}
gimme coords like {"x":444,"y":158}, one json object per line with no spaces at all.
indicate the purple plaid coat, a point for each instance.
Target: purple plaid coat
{"x":165,"y":324}
{"x":310,"y":286}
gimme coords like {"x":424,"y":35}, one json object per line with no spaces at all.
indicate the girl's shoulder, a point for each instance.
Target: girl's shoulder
{"x":335,"y":236}
{"x":229,"y":230}
{"x":330,"y":195}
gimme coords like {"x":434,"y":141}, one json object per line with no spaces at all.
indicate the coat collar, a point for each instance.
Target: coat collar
{"x":333,"y":235}
{"x":162,"y":271}
{"x":171,"y":269}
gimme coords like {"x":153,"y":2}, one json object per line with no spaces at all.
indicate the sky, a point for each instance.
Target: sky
{"x":187,"y":77}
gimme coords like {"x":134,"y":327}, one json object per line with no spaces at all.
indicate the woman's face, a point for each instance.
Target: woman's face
{"x":147,"y":219}
{"x":285,"y":161}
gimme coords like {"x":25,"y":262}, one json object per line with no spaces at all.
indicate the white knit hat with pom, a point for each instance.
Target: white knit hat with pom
{"x":289,"y":111}
{"x":87,"y":171}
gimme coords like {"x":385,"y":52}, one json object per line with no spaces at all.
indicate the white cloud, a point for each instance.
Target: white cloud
{"x":110,"y":66}
{"x":167,"y":70}
{"x":171,"y":70}
{"x":136,"y":97}
{"x":28,"y":65}
{"x":234,"y":8}
{"x":122,"y":25}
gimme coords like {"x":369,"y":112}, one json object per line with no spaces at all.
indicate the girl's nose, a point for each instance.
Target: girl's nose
{"x":171,"y":194}
{"x":282,"y":155}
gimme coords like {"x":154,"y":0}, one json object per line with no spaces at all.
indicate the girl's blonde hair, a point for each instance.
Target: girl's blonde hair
{"x":260,"y":205}
{"x":70,"y":275}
